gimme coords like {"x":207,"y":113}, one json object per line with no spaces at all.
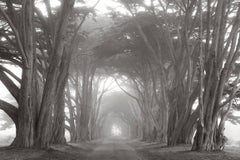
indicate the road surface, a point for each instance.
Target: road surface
{"x":114,"y":150}
{"x":110,"y":150}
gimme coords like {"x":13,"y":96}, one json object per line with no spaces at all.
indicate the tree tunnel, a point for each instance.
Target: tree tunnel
{"x":114,"y":127}
{"x":117,"y":119}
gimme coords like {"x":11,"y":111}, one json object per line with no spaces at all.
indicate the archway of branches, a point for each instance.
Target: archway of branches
{"x":118,"y":111}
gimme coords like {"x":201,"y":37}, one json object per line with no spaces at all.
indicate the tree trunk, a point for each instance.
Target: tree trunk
{"x":147,"y":129}
{"x":25,"y":131}
{"x":43,"y":126}
{"x":72,"y":129}
{"x":58,"y":135}
{"x":85,"y":110}
{"x":58,"y":132}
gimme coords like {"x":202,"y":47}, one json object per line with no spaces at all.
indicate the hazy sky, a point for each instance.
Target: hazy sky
{"x":233,"y":131}
{"x":102,"y":7}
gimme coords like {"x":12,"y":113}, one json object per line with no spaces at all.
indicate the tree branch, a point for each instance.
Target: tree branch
{"x":8,"y":19}
{"x":10,"y":85}
{"x":10,"y":110}
{"x":10,"y":73}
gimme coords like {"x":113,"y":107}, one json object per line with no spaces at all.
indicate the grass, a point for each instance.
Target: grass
{"x":67,"y":152}
{"x":182,"y":152}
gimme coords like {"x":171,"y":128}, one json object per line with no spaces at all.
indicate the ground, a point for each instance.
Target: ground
{"x":115,"y":150}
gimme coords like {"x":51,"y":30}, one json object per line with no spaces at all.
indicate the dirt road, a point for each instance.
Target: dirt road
{"x":110,"y":150}
{"x":115,"y":150}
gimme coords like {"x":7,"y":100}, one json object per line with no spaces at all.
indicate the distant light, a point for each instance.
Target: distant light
{"x":175,"y":37}
{"x":116,"y":131}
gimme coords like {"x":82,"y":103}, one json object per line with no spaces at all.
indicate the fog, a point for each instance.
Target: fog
{"x":116,"y":109}
{"x":119,"y":79}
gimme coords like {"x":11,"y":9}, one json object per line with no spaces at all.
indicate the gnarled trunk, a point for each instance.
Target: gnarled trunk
{"x":25,"y":130}
{"x":48,"y":99}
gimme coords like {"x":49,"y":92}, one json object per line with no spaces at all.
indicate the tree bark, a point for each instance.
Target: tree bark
{"x":43,"y":126}
{"x":25,"y":131}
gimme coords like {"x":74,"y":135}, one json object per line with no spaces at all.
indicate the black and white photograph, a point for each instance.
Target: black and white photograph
{"x":119,"y":79}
